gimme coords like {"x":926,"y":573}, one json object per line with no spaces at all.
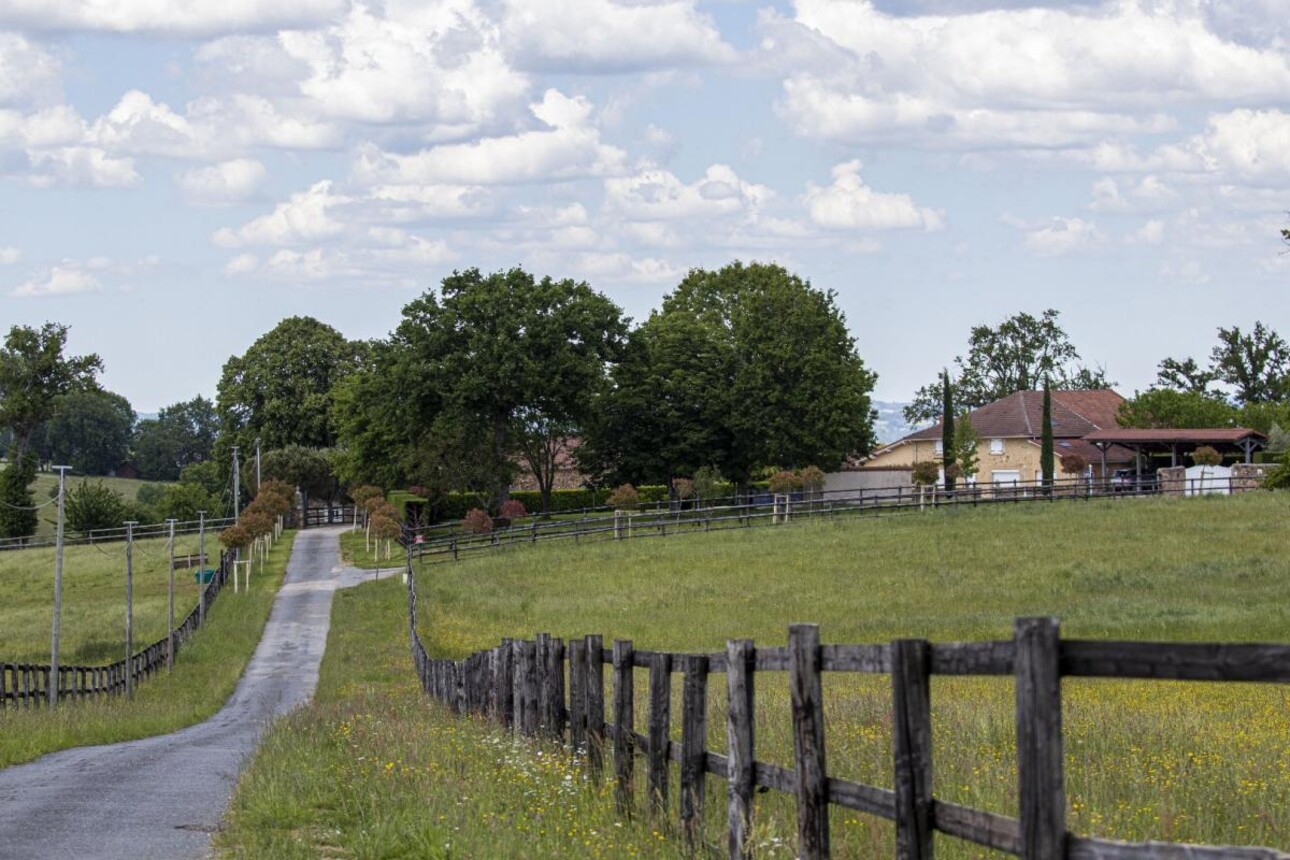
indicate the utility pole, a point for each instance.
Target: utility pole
{"x":58,"y":588}
{"x":237,"y":486}
{"x":129,"y":608}
{"x":201,"y":567}
{"x":170,"y":601}
{"x":257,"y":465}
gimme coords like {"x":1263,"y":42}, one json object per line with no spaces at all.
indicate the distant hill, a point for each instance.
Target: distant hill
{"x":890,"y":424}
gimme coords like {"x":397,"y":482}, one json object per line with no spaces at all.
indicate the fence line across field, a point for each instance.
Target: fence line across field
{"x":522,"y":684}
{"x":28,"y":684}
{"x":118,"y":534}
{"x":449,"y":542}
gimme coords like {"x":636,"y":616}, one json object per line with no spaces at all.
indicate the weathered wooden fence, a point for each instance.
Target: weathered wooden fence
{"x":27,"y":684}
{"x":522,"y":684}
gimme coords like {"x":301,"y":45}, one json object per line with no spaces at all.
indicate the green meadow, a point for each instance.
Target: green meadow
{"x":373,"y":769}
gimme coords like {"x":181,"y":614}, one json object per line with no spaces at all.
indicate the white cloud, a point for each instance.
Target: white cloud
{"x":1030,"y":77}
{"x":658,"y":195}
{"x":1185,"y":272}
{"x":28,"y":73}
{"x":849,"y":204}
{"x":171,"y":17}
{"x":431,"y":63}
{"x":226,"y":182}
{"x":1062,"y":236}
{"x":1151,"y":233}
{"x":1150,"y":194}
{"x":608,"y":36}
{"x":9,"y":256}
{"x":65,"y":279}
{"x":81,"y":165}
{"x":303,"y":218}
{"x":389,"y":255}
{"x":571,"y":149}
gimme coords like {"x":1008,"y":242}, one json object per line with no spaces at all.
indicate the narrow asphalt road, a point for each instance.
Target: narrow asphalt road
{"x":163,"y":797}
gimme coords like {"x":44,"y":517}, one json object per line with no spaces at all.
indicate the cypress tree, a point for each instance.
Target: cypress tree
{"x":17,"y":506}
{"x":947,"y":430}
{"x":1046,"y":440}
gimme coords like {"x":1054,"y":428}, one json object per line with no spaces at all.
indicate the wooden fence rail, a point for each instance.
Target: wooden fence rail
{"x":521,"y":684}
{"x":27,"y":684}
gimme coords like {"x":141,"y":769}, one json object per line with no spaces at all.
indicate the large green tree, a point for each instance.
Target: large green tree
{"x":34,"y":373}
{"x":1253,"y":365}
{"x":90,"y":431}
{"x":482,"y":363}
{"x":1014,"y":355}
{"x":1166,"y":407}
{"x":280,"y":389}
{"x":744,"y":367}
{"x":182,"y":433}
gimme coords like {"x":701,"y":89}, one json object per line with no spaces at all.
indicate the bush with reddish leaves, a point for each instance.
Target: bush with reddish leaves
{"x":625,"y":498}
{"x":513,"y":509}
{"x":477,"y":522}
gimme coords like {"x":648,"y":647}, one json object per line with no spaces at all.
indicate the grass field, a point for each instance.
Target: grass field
{"x":371,"y":769}
{"x":47,"y":482}
{"x":93,"y":625}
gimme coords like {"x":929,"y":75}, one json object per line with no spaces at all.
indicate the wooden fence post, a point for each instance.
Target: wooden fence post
{"x":808,"y":741}
{"x":739,"y":735}
{"x":1039,"y":740}
{"x":506,"y":681}
{"x":912,"y":733}
{"x":624,"y":724}
{"x":577,"y":694}
{"x":660,"y":717}
{"x":694,"y":734}
{"x":531,"y":715}
{"x":555,"y":688}
{"x":595,"y":693}
{"x":543,"y":688}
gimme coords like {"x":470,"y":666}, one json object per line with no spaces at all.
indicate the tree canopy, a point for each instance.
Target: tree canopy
{"x":182,"y":433}
{"x":33,"y":374}
{"x":1253,"y":366}
{"x":1018,"y":354}
{"x":744,"y":367}
{"x":90,"y":431}
{"x":280,"y":389}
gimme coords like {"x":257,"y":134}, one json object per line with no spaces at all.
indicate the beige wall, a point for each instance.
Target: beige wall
{"x":1018,"y":455}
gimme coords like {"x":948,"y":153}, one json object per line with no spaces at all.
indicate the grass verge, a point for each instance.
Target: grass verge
{"x":206,"y":671}
{"x":371,"y":769}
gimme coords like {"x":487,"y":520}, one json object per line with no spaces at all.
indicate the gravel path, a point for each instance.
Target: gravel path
{"x":162,"y":797}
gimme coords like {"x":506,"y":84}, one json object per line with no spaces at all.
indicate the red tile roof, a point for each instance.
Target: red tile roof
{"x":1075,"y":415}
{"x":1167,"y":436}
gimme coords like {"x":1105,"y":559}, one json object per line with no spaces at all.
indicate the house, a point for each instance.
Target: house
{"x":1010,"y":433}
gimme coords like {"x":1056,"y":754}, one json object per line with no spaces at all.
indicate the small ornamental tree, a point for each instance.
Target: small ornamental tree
{"x":1073,"y":464}
{"x":925,"y":472}
{"x":1206,"y":455}
{"x":812,"y":478}
{"x":683,"y":487}
{"x":361,"y":495}
{"x":235,"y":537}
{"x":785,"y":482}
{"x":707,"y":482}
{"x":94,"y":506}
{"x":625,"y":498}
{"x":257,"y":521}
{"x":513,"y":509}
{"x":965,"y":447}
{"x":477,"y":522}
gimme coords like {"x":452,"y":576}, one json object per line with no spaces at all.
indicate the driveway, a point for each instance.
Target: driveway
{"x":163,"y":797}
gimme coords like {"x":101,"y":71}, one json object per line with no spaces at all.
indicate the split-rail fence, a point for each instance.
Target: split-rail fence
{"x":28,"y":684}
{"x":546,"y":687}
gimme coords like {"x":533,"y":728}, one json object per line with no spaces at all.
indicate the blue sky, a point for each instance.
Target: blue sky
{"x":178,"y":176}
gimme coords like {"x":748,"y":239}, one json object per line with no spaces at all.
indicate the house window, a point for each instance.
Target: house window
{"x":938,"y":448}
{"x":996,"y":446}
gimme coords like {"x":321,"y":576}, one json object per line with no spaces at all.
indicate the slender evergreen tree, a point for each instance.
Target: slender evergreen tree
{"x":947,"y":430}
{"x":1046,"y":440}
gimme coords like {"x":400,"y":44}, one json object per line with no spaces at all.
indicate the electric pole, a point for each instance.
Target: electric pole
{"x":58,"y":588}
{"x":129,"y":608}
{"x":170,"y":601}
{"x":237,"y":486}
{"x":201,"y":567}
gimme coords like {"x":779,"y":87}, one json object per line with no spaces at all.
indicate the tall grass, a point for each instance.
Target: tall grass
{"x":206,"y":669}
{"x":1203,"y":763}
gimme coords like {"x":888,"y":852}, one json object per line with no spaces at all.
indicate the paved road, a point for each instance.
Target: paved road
{"x":162,"y":797}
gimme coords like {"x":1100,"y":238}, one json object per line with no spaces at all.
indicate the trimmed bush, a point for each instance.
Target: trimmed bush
{"x":513,"y":509}
{"x":477,"y":522}
{"x":1206,"y":455}
{"x":812,"y":478}
{"x":925,"y":472}
{"x":785,"y":482}
{"x":625,"y":498}
{"x":1073,"y":464}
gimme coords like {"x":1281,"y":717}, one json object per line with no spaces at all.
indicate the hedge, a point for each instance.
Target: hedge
{"x":453,"y":506}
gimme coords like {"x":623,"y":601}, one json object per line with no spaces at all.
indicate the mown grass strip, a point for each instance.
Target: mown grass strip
{"x":206,"y":671}
{"x":372,"y":769}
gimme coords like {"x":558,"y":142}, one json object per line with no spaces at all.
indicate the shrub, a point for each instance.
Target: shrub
{"x":418,"y":491}
{"x":94,"y":506}
{"x":954,"y":471}
{"x":812,"y":478}
{"x":513,"y":509}
{"x":1205,"y":455}
{"x":785,"y":482}
{"x":477,"y":522}
{"x":707,"y":482}
{"x":925,"y":472}
{"x":683,"y":487}
{"x":361,"y":495}
{"x":235,"y":536}
{"x":1073,"y":464}
{"x":625,"y":498}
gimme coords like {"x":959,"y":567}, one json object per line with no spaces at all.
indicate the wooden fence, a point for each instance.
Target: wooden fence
{"x":522,"y":684}
{"x":27,"y":684}
{"x":439,"y":543}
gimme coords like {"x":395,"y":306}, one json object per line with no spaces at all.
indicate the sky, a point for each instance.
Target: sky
{"x":176,"y":176}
